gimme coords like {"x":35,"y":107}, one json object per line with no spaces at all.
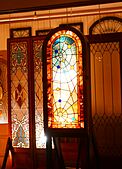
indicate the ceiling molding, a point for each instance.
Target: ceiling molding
{"x":62,"y":13}
{"x":14,"y":6}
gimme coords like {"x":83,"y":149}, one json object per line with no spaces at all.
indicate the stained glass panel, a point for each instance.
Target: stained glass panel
{"x":106,"y":96}
{"x":3,"y":92}
{"x":20,"y":32}
{"x":42,"y":32}
{"x":40,"y":137}
{"x":65,"y":80}
{"x":76,"y":25}
{"x":19,"y":94}
{"x":108,"y":24}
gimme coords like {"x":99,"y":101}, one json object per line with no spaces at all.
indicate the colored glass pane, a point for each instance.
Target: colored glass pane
{"x":40,"y":137}
{"x":65,"y":80}
{"x":19,"y":94}
{"x":3,"y":92}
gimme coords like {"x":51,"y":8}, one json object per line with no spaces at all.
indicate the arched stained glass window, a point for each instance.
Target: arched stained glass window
{"x":63,"y":80}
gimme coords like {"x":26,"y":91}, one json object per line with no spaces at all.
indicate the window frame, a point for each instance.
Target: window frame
{"x":63,"y":132}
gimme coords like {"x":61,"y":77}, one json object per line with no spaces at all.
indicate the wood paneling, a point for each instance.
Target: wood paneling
{"x":3,"y":140}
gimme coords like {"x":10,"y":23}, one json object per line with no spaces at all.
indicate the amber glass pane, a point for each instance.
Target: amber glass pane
{"x":106,"y":97}
{"x":19,"y":94}
{"x":107,"y":25}
{"x":65,"y":80}
{"x":3,"y":92}
{"x":40,"y":138}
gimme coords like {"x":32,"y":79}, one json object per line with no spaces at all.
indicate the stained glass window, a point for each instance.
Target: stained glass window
{"x":20,"y":32}
{"x":3,"y":92}
{"x":19,"y":94}
{"x":40,"y":137}
{"x":107,"y":24}
{"x":64,"y":80}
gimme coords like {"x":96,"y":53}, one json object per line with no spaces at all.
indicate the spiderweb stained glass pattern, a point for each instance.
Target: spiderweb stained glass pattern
{"x":19,"y":94}
{"x":40,"y":138}
{"x":65,"y":80}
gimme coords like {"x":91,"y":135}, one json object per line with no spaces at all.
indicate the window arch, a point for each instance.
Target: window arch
{"x":63,"y":74}
{"x":108,"y":24}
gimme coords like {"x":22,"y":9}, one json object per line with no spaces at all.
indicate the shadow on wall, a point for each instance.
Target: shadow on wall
{"x":108,"y":133}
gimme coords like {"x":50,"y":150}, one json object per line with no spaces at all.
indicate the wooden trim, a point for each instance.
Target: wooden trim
{"x":9,"y":88}
{"x":8,"y":148}
{"x":99,"y":38}
{"x":120,"y":44}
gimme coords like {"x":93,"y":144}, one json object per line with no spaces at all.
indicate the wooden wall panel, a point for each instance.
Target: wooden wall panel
{"x":3,"y":140}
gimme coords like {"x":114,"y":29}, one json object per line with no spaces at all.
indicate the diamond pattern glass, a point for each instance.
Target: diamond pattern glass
{"x":106,"y":96}
{"x":19,"y":94}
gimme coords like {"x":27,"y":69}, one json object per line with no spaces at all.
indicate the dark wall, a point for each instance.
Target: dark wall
{"x":7,"y":6}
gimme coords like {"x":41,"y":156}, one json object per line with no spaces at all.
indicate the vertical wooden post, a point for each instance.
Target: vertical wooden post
{"x":49,"y":153}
